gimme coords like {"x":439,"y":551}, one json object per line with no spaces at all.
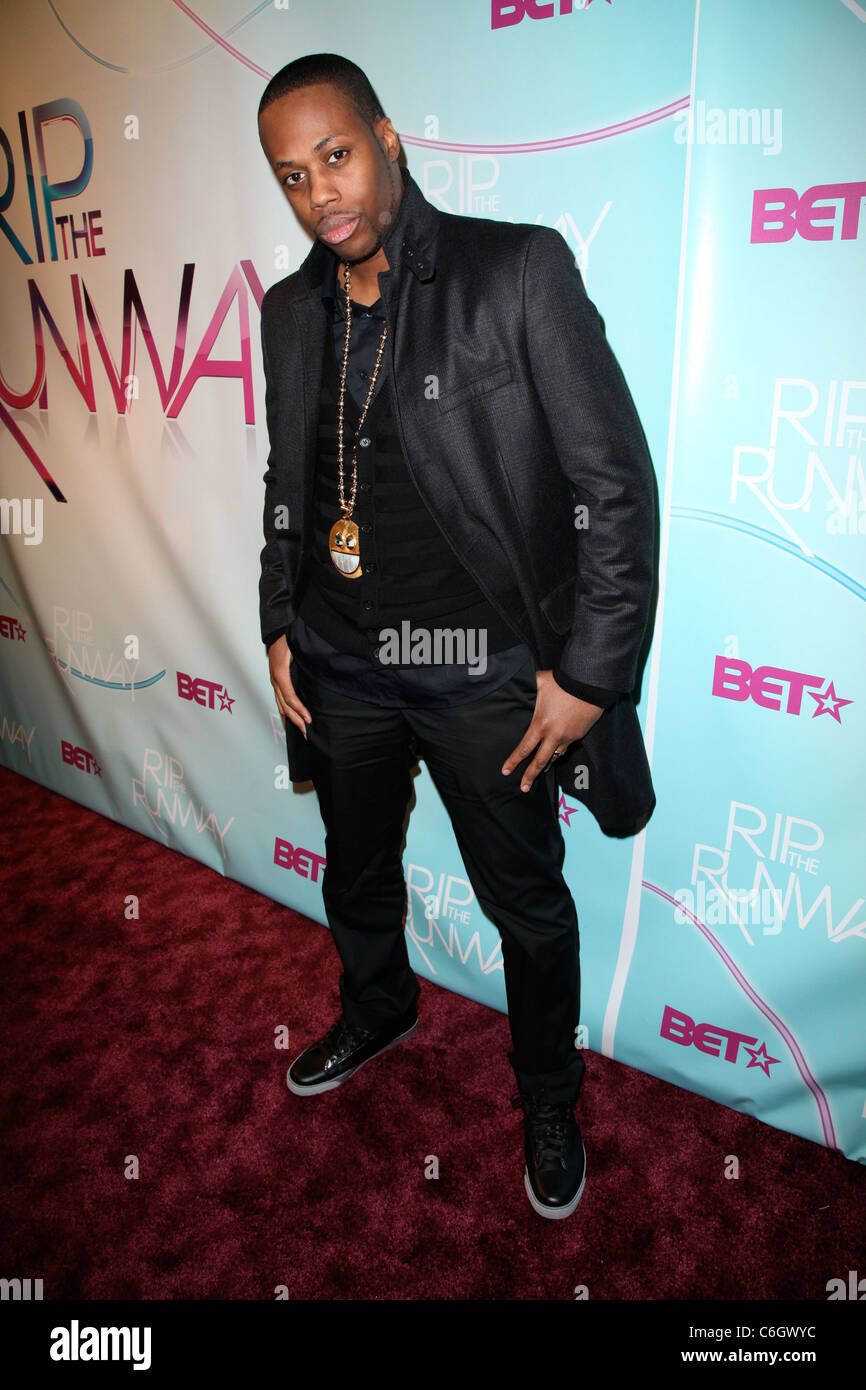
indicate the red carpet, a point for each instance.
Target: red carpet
{"x":155,"y":1038}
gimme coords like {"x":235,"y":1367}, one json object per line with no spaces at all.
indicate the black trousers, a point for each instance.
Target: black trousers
{"x":510,"y":841}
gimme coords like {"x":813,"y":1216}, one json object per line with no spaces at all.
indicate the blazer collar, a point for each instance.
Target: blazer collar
{"x":413,"y":233}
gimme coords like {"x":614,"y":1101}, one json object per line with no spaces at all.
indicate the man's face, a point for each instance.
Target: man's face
{"x":342,"y":183}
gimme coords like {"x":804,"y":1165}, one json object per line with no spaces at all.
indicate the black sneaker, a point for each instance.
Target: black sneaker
{"x":342,"y":1051}
{"x":555,"y":1172}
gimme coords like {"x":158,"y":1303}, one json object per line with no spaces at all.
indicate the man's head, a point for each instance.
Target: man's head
{"x":334,"y":151}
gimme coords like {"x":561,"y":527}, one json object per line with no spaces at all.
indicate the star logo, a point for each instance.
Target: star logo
{"x":97,"y":770}
{"x":21,"y":631}
{"x":566,"y":811}
{"x":828,"y":702}
{"x":760,"y":1058}
{"x":225,"y":701}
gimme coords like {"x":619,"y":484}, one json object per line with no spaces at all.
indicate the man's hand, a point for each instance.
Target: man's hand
{"x":279,"y":661}
{"x":557,"y":720}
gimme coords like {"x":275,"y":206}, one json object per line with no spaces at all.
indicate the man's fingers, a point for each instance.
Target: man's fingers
{"x":538,"y":765}
{"x":294,"y":710}
{"x":296,"y":720}
{"x":290,"y":702}
{"x":545,"y":747}
{"x":527,"y":745}
{"x":540,"y":762}
{"x":287,"y":700}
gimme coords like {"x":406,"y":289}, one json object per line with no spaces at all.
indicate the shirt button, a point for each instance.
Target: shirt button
{"x":370,"y":568}
{"x":368,"y":604}
{"x":365,"y":487}
{"x":366,"y":528}
{"x":365,"y":441}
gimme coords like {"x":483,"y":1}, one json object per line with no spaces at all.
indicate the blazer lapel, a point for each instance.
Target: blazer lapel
{"x":308,"y":331}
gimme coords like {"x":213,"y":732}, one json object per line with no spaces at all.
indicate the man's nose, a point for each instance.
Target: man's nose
{"x":321,"y":189}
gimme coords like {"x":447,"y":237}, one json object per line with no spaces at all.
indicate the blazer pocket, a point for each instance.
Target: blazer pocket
{"x":494,"y":377}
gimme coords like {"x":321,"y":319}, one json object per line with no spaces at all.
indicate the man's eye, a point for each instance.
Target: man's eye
{"x":290,"y":180}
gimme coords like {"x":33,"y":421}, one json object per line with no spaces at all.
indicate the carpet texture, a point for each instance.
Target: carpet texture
{"x":152,"y":1040}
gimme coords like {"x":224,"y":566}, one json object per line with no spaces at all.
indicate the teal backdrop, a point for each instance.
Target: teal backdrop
{"x":706,"y":163}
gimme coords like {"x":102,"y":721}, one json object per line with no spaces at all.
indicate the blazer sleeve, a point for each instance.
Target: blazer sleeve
{"x":602,"y":450}
{"x":276,"y":610}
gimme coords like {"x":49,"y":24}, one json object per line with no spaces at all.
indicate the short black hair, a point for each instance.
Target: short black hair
{"x":340,"y":72}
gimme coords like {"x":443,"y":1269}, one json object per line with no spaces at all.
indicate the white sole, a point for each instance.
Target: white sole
{"x":330,"y":1085}
{"x":555,"y":1213}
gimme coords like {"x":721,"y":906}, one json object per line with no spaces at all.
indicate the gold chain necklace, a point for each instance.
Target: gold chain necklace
{"x":343,"y":541}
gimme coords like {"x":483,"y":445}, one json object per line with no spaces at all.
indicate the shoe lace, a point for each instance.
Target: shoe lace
{"x":551,"y":1123}
{"x":342,"y":1034}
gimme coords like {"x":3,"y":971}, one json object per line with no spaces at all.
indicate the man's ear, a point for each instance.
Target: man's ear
{"x":388,"y":139}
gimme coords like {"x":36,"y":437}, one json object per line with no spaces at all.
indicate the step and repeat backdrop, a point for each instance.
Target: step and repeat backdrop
{"x":707,"y":164}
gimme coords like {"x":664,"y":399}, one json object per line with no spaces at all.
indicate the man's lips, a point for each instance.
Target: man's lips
{"x":334,"y":229}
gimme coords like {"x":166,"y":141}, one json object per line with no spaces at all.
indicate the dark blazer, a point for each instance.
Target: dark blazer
{"x":512,"y":410}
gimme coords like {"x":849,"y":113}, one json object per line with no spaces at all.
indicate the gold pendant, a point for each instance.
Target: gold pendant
{"x":345,"y":547}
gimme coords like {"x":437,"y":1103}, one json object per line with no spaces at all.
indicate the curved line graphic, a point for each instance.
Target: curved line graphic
{"x":561,"y":143}
{"x":9,"y":592}
{"x":110,"y":685}
{"x":782,"y":1028}
{"x":178,"y":62}
{"x":661,"y":113}
{"x":217,"y":38}
{"x":770,"y":538}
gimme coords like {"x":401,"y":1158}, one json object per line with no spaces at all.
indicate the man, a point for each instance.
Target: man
{"x":455,"y":459}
